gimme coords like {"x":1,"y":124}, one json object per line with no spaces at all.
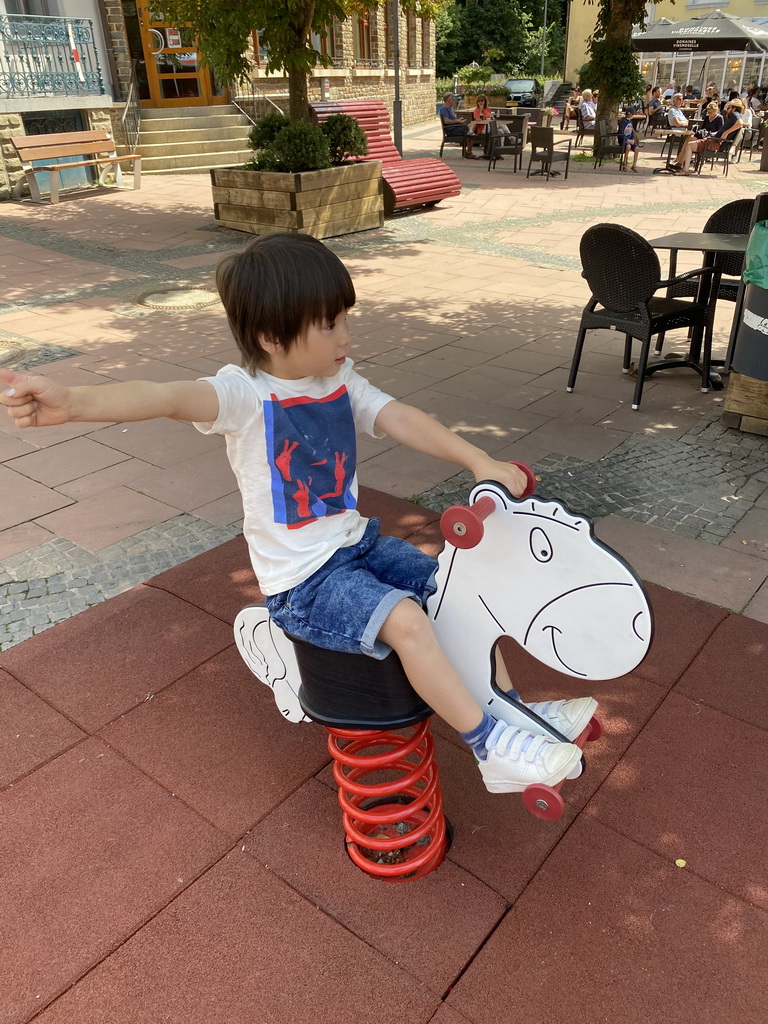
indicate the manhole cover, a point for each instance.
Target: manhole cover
{"x":12,"y":351}
{"x":180,"y":298}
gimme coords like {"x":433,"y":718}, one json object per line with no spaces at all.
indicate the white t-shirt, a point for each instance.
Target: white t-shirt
{"x":291,"y":445}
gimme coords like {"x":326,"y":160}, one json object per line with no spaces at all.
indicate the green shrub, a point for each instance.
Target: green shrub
{"x":300,"y":147}
{"x":345,"y":137}
{"x":442,"y":86}
{"x":266,"y":130}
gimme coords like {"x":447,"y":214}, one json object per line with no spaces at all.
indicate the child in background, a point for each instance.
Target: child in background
{"x":628,"y":139}
{"x":289,"y":416}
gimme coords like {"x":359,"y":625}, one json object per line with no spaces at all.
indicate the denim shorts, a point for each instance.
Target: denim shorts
{"x":343,"y":605}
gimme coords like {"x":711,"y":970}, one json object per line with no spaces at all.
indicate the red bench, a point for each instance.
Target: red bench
{"x":421,"y":181}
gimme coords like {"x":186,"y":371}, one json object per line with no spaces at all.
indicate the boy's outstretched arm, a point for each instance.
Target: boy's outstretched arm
{"x":34,"y":401}
{"x":418,"y":430}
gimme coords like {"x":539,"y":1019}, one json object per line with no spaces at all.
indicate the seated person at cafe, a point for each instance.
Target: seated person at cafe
{"x":689,"y":94}
{"x":709,"y":95}
{"x":654,"y":103}
{"x":670,"y":91}
{"x":452,"y":126}
{"x":588,"y":109}
{"x":570,"y":106}
{"x":628,"y":139}
{"x":675,"y":116}
{"x":732,"y":124}
{"x":481,"y":115}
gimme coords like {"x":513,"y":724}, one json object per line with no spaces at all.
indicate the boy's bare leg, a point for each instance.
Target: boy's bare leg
{"x":408,"y":631}
{"x":509,"y":758}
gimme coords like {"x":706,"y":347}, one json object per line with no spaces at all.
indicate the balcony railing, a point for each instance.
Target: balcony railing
{"x":42,"y":56}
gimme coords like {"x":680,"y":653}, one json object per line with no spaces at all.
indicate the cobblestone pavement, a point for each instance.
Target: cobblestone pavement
{"x":699,"y":485}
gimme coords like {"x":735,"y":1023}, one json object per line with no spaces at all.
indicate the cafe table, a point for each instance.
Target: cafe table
{"x":710,"y":244}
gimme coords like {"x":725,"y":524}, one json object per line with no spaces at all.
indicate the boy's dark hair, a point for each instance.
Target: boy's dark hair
{"x":277,"y":287}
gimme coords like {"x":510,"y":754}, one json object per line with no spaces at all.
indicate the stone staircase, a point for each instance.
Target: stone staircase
{"x":185,"y":140}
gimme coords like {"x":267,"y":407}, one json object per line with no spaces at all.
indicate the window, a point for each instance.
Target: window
{"x":260,"y":52}
{"x":362,"y":32}
{"x":324,"y":41}
{"x":35,"y":7}
{"x":410,"y":28}
{"x":426,"y":50}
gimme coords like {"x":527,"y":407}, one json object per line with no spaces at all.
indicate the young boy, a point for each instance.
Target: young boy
{"x":289,"y":416}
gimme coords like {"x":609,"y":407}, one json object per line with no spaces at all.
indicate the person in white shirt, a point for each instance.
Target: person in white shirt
{"x":588,"y":109}
{"x":289,"y":415}
{"x":675,"y":116}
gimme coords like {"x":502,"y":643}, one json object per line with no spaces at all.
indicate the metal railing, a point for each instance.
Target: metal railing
{"x":252,"y":100}
{"x":42,"y":56}
{"x":131,"y":118}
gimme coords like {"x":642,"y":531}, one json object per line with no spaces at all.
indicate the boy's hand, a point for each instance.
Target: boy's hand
{"x":34,"y":401}
{"x":505,"y":473}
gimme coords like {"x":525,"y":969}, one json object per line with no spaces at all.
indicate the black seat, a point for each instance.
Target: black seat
{"x":581,"y":131}
{"x":453,"y":138}
{"x":623,"y":273}
{"x":732,"y":219}
{"x":656,"y":120}
{"x":609,"y":145}
{"x":727,"y":148}
{"x":501,"y":144}
{"x":545,"y":152}
{"x":749,"y":140}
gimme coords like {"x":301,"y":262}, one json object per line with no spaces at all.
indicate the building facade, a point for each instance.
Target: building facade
{"x":733,"y":70}
{"x":69,"y":65}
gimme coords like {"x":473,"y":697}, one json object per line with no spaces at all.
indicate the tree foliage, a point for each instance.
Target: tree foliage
{"x":613,"y":62}
{"x":505,"y":34}
{"x":286,"y":27}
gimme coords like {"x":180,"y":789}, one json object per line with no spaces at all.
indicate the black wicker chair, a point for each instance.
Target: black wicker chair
{"x":453,"y":138}
{"x":732,"y":219}
{"x":609,"y":145}
{"x":727,"y":148}
{"x":544,"y":151}
{"x":501,"y":144}
{"x":581,"y":131}
{"x":623,"y":273}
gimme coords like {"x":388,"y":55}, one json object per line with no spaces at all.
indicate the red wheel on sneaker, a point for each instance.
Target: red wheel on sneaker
{"x":461,"y":527}
{"x":543,"y":801}
{"x":596,"y":729}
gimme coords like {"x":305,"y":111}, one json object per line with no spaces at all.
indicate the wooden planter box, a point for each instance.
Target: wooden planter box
{"x":746,"y":404}
{"x":319,"y":203}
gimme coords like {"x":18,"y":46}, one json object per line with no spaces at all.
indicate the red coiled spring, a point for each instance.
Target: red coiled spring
{"x":396,"y":829}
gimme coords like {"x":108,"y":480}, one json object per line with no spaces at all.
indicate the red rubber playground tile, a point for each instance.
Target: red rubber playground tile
{"x":216,"y":740}
{"x":730,"y":672}
{"x":112,"y":657}
{"x":692,"y":787}
{"x":240,"y":947}
{"x":608,"y":930}
{"x":31,"y":732}
{"x":90,"y":850}
{"x":449,"y":913}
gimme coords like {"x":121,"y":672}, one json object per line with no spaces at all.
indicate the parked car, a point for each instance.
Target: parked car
{"x":526,"y":92}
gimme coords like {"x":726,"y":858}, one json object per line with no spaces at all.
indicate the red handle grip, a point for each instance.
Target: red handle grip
{"x":462,"y":526}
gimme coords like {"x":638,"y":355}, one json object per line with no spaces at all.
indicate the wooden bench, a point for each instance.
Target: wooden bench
{"x":421,"y":181}
{"x":98,"y":146}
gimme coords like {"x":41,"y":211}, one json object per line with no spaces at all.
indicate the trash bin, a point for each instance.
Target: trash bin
{"x":750,"y":356}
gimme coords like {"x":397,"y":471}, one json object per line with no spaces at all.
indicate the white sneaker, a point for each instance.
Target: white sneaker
{"x":570,"y":717}
{"x":517,"y":758}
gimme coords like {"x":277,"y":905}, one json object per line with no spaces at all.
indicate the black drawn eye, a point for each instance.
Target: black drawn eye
{"x":540,"y":545}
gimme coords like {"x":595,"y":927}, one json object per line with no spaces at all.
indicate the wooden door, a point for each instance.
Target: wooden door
{"x":174,"y":75}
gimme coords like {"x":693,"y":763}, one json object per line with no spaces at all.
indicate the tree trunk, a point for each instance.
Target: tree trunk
{"x":298,"y":109}
{"x":618,"y":31}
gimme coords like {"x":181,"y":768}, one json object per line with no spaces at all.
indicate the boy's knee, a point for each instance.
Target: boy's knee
{"x":407,"y":621}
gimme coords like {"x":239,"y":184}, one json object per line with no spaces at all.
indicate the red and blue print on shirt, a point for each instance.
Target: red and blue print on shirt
{"x":311,"y":452}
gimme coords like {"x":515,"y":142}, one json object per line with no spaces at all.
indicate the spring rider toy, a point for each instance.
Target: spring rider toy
{"x":523,"y":568}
